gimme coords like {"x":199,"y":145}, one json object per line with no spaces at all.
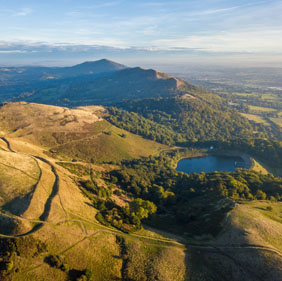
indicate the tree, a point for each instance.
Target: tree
{"x":143,"y":208}
{"x":260,"y":195}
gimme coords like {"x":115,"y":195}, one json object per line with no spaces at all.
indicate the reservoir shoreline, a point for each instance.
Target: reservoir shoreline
{"x":215,"y":161}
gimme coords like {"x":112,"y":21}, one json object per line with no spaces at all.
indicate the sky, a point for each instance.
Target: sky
{"x":64,"y":32}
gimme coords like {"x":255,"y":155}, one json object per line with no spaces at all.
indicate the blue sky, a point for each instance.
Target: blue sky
{"x":69,"y":30}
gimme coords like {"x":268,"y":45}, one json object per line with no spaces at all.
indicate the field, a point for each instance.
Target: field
{"x":260,"y":109}
{"x":263,"y":108}
{"x":277,"y":121}
{"x":256,"y":118}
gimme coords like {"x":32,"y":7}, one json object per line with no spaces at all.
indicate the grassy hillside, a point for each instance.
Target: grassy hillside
{"x":249,"y":247}
{"x":109,"y":145}
{"x":18,"y":168}
{"x":19,"y":175}
{"x":72,"y":133}
{"x":57,"y":236}
{"x":55,"y":162}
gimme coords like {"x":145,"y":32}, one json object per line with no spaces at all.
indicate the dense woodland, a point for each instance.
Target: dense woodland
{"x":188,"y":197}
{"x":190,"y":122}
{"x":154,"y":178}
{"x":270,"y":151}
{"x":180,"y":120}
{"x":127,"y":218}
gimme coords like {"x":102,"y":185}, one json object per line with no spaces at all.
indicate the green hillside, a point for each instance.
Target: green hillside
{"x":186,"y":119}
{"x":84,"y":200}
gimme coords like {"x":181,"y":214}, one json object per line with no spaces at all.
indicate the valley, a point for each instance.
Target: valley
{"x":89,"y":189}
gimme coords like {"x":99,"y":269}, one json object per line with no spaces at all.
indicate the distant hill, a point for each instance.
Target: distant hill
{"x":114,"y":87}
{"x":28,"y":74}
{"x":98,"y":82}
{"x":92,"y":67}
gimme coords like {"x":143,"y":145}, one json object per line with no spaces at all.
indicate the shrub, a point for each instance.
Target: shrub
{"x":9,"y":265}
{"x":260,"y":195}
{"x":57,"y":262}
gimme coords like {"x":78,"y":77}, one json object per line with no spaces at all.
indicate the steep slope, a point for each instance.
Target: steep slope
{"x":72,"y":133}
{"x":249,"y":247}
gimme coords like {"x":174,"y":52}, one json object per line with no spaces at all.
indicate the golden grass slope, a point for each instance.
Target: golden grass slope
{"x":66,"y":216}
{"x":19,"y":175}
{"x":261,"y":221}
{"x":39,"y":123}
{"x":248,"y":248}
{"x":93,"y":247}
{"x":72,"y":133}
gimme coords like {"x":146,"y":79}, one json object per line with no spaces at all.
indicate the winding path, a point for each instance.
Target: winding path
{"x":47,"y":207}
{"x":219,"y":249}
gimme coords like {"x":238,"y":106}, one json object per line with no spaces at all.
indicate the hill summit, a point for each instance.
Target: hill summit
{"x":94,"y":67}
{"x":98,"y":82}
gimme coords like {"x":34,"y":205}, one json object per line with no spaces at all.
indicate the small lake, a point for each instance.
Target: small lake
{"x":210,"y":164}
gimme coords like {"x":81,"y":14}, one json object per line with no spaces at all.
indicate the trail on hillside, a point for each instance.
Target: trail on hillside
{"x":8,"y":144}
{"x":83,"y":139}
{"x":55,"y":189}
{"x":217,"y":249}
{"x":27,"y":197}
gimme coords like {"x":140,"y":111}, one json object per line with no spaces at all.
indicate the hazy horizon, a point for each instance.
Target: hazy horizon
{"x":60,"y":33}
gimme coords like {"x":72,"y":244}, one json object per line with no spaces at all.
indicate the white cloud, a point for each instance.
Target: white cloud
{"x":212,"y":12}
{"x":12,"y":51}
{"x":23,"y":12}
{"x":252,"y":41}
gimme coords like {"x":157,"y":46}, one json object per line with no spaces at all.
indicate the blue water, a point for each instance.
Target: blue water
{"x":210,"y":164}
